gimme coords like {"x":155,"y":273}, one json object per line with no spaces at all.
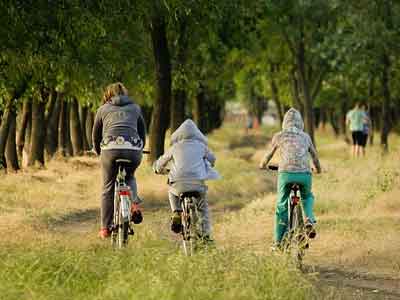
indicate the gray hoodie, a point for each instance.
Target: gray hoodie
{"x":189,"y":156}
{"x":294,"y":144}
{"x":119,"y":117}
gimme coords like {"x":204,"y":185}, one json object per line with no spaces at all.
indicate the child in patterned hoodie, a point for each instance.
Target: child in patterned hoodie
{"x":190,"y":163}
{"x":295,"y":149}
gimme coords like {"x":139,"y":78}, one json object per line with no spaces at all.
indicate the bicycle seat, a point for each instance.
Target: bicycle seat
{"x":123,"y":161}
{"x":190,"y":194}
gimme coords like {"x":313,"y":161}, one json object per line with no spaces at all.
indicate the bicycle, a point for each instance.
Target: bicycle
{"x":190,"y":221}
{"x":296,"y":240}
{"x":122,"y":227}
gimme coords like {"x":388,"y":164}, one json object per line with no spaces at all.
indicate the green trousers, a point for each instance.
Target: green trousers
{"x":285,"y":179}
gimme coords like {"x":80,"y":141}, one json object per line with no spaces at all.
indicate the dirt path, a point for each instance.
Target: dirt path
{"x":353,"y":285}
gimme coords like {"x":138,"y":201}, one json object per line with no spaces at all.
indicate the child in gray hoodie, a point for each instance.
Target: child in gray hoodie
{"x":190,"y":163}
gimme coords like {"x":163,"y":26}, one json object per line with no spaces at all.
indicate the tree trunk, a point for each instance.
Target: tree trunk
{"x":75,"y":128}
{"x":52,"y":125}
{"x":180,"y":96}
{"x":28,"y":139}
{"x":275,"y":98}
{"x":386,"y":125}
{"x":38,"y":135}
{"x":296,"y":93}
{"x":88,"y":128}
{"x":11,"y":147}
{"x":161,"y":111}
{"x":4,"y":129}
{"x":83,"y":112}
{"x":178,"y":109}
{"x":334,"y":122}
{"x":63,"y":128}
{"x":342,"y":117}
{"x":26,"y":116}
{"x":306,"y":94}
{"x":199,"y":110}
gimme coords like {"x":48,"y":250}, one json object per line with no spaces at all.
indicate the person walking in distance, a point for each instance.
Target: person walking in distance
{"x":118,"y":133}
{"x":355,"y":121}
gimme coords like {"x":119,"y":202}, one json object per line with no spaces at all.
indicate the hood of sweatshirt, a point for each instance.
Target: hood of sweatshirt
{"x":121,"y":100}
{"x":188,"y":131}
{"x":292,"y":121}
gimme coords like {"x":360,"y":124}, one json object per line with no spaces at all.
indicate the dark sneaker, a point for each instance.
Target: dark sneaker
{"x":104,"y":233}
{"x":176,"y":222}
{"x":136,"y":214}
{"x":310,"y":229}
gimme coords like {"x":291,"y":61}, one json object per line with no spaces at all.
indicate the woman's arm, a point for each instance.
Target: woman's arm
{"x":97,"y":132}
{"x":141,"y":127}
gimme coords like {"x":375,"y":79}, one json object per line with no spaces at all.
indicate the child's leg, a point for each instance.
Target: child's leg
{"x":307,"y":196}
{"x":204,"y":222}
{"x":174,"y":202}
{"x":281,"y":213}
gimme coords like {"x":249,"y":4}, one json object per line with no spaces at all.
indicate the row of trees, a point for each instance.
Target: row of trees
{"x":187,"y":57}
{"x":57,"y":56}
{"x":323,"y":56}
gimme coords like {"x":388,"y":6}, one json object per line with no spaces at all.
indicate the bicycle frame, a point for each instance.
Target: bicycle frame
{"x":296,"y":240}
{"x":122,"y":202}
{"x":189,"y":221}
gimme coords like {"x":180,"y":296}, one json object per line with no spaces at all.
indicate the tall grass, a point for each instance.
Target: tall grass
{"x":150,"y":272}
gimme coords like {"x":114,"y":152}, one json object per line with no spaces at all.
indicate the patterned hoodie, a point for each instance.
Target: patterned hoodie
{"x":294,"y":144}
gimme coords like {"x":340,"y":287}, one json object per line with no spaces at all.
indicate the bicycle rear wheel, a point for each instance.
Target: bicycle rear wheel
{"x":297,"y":235}
{"x":120,"y":230}
{"x":189,"y":219}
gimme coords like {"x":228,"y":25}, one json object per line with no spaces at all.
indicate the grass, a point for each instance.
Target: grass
{"x":49,"y":221}
{"x":152,"y":271}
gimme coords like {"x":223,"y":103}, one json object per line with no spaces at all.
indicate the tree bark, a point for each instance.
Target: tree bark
{"x":334,"y":122}
{"x":199,"y":110}
{"x":4,"y":129}
{"x":386,"y":120}
{"x":28,"y":139}
{"x":38,"y":135}
{"x":75,"y":128}
{"x":179,"y":98}
{"x":26,"y":116}
{"x":63,"y":128}
{"x":11,"y":146}
{"x":178,"y":109}
{"x":275,"y":98}
{"x":161,"y":111}
{"x":88,"y":128}
{"x":52,"y":125}
{"x":305,"y":88}
{"x":83,"y":112}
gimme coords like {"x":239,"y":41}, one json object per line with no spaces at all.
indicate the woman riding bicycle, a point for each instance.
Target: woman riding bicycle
{"x":118,"y":133}
{"x":295,"y":146}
